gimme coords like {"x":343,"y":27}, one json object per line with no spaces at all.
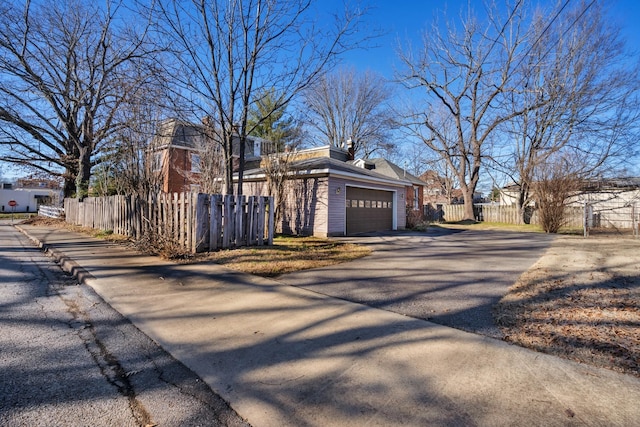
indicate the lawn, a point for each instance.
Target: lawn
{"x":580,"y":301}
{"x":289,"y":254}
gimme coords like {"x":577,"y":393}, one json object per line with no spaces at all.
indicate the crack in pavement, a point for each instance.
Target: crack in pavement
{"x":109,"y":365}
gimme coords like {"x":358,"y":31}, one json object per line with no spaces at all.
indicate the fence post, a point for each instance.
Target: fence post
{"x":240,"y":228}
{"x":271,"y":221}
{"x":251,"y":220}
{"x":202,"y":223}
{"x":215,"y":224}
{"x":228,"y":217}
{"x":261,"y":219}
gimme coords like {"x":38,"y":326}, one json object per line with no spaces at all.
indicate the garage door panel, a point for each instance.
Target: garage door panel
{"x":368,"y":210}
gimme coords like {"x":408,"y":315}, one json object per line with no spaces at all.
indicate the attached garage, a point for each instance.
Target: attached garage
{"x":327,"y":195}
{"x":368,"y":210}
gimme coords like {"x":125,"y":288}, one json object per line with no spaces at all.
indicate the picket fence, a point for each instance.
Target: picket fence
{"x":50,"y":211}
{"x":196,"y":222}
{"x":504,"y":214}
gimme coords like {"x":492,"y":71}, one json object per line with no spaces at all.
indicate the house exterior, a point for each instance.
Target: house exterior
{"x":439,"y":190}
{"x":608,"y":203}
{"x":327,"y":195}
{"x":414,"y":186}
{"x":28,"y":194}
{"x":176,"y":152}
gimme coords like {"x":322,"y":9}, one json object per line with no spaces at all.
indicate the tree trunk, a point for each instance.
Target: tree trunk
{"x":523,"y":196}
{"x":467,"y":195}
{"x":228,"y":165}
{"x":84,"y":174}
{"x":69,"y":188}
{"x":242,"y":149}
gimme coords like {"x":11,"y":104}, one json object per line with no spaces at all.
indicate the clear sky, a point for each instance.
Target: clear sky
{"x":405,"y":20}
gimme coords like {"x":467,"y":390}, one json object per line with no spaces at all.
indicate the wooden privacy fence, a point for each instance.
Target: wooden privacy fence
{"x":196,"y":222}
{"x":504,"y":214}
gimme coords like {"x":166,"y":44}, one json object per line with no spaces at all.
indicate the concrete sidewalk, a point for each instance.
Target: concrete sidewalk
{"x":281,"y":355}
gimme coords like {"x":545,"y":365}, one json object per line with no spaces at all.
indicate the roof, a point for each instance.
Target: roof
{"x":630,"y":183}
{"x":329,"y":166}
{"x":603,"y":184}
{"x":387,"y":168}
{"x":179,"y":133}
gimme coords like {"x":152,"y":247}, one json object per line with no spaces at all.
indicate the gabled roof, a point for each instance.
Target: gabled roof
{"x":179,"y":133}
{"x":387,"y":168}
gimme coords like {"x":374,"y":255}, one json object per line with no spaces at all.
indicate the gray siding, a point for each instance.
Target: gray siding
{"x":304,"y":212}
{"x":316,"y":206}
{"x":306,"y":207}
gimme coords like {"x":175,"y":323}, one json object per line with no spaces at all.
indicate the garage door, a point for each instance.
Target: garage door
{"x":369,"y":210}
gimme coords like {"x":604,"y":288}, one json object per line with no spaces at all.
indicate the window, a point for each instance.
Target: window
{"x":195,"y":163}
{"x":416,"y":198}
{"x":156,"y":162}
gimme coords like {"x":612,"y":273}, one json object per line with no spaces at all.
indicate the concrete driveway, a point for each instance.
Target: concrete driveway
{"x":450,"y":277}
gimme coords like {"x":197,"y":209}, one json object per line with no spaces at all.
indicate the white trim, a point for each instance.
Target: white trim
{"x":334,"y":173}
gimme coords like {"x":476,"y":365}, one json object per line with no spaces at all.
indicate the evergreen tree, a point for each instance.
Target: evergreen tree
{"x":272,"y":124}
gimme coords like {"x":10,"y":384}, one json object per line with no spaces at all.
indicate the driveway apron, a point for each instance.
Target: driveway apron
{"x":450,"y":277}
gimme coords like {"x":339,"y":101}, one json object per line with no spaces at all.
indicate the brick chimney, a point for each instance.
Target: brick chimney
{"x":350,"y":150}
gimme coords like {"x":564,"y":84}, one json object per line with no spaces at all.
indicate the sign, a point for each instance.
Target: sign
{"x":12,"y":203}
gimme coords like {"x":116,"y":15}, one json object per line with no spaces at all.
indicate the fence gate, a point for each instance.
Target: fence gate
{"x":612,"y":217}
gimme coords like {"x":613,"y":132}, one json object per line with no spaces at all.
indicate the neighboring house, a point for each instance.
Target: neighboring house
{"x":176,"y":154}
{"x":327,"y":194}
{"x":619,"y":190}
{"x":439,"y":191}
{"x":612,"y":202}
{"x":28,"y":194}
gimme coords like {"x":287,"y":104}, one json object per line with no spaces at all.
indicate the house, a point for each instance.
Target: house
{"x":608,"y":202}
{"x":414,"y":194}
{"x":176,"y":152}
{"x":27,"y":194}
{"x":607,"y":190}
{"x":328,"y":194}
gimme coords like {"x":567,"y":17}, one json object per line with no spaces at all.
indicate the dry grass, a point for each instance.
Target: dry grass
{"x":289,"y":254}
{"x":580,"y":301}
{"x":60,"y":223}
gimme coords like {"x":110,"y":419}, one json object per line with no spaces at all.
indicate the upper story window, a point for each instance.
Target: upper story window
{"x":156,"y":162}
{"x":195,"y":163}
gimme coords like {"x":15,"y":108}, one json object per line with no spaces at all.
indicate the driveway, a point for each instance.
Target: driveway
{"x":450,"y":277}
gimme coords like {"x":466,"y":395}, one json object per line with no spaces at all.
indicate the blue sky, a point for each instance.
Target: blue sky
{"x":405,"y":20}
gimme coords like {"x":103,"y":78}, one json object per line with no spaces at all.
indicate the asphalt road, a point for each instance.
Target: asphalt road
{"x":450,"y":277}
{"x":68,"y":359}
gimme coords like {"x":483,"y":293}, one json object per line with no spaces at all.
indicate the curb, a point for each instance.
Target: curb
{"x":67,"y":264}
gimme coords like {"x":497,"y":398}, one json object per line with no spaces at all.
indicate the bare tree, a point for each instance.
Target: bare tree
{"x":346,"y":106}
{"x":228,"y":51}
{"x":64,"y":73}
{"x":464,"y":75}
{"x":556,"y":183}
{"x":135,"y":169}
{"x":212,"y":165}
{"x":579,"y":97}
